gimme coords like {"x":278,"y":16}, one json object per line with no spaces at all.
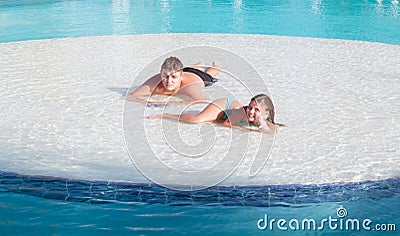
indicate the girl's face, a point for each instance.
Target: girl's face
{"x":255,"y":111}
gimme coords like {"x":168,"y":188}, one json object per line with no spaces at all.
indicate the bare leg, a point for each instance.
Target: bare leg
{"x":199,"y":65}
{"x":214,"y":70}
{"x":211,"y":113}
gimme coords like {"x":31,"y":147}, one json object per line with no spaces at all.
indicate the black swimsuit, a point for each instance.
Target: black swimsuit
{"x":207,"y":79}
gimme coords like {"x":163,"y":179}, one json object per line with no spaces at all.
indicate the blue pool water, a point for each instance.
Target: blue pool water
{"x":376,"y":21}
{"x":167,"y":212}
{"x":25,"y":215}
{"x":37,"y":205}
{"x":93,"y":207}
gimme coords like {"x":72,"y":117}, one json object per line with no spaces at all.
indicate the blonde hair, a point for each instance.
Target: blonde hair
{"x":172,"y":64}
{"x":269,"y":106}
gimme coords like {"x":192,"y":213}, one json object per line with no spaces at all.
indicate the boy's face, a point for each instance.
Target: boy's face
{"x":171,"y":79}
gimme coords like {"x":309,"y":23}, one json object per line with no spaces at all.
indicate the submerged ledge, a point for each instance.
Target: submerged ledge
{"x":62,"y":108}
{"x":100,"y":192}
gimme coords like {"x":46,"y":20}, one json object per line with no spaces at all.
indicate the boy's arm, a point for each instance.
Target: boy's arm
{"x":146,"y":89}
{"x":193,"y":92}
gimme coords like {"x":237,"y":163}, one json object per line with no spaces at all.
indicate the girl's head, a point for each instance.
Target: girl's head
{"x":260,"y":109}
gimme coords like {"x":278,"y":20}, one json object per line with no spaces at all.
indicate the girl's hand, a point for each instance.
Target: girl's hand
{"x":153,"y":117}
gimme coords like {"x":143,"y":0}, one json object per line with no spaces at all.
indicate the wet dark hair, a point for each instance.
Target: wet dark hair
{"x":172,"y":64}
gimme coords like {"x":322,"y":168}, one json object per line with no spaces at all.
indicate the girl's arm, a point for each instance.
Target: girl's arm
{"x":163,"y":103}
{"x":226,"y":123}
{"x":188,"y":118}
{"x":163,"y":115}
{"x":236,"y":116}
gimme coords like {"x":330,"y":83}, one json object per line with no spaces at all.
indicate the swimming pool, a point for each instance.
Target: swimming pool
{"x":340,"y":163}
{"x":355,"y":20}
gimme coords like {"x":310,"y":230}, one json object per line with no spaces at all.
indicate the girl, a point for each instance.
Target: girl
{"x":259,"y":113}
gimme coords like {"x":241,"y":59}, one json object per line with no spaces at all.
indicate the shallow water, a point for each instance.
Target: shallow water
{"x":63,"y":115}
{"x":63,"y":106}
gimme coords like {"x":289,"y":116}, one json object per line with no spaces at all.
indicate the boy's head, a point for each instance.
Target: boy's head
{"x":171,"y":73}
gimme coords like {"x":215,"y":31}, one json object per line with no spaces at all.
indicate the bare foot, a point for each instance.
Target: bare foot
{"x":199,"y":65}
{"x":216,"y":64}
{"x":214,"y":70}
